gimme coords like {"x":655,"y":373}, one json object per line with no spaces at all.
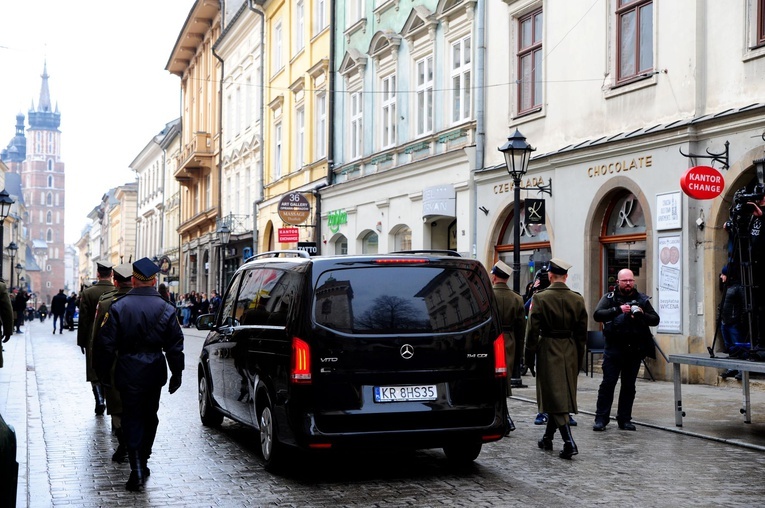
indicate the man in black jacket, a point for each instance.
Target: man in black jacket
{"x":58,"y":309}
{"x":627,"y":314}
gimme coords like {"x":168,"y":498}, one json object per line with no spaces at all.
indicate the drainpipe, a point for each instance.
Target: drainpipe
{"x":220,"y":161}
{"x":259,"y":177}
{"x":480,"y":128}
{"x":330,"y":125}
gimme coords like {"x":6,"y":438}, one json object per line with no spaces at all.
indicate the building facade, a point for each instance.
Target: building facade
{"x":613,"y":126}
{"x":198,"y":170}
{"x":405,"y":124}
{"x":295,"y":122}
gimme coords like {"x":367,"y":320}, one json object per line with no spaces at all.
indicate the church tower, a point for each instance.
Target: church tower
{"x":43,"y":184}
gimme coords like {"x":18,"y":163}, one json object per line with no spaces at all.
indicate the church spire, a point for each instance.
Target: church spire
{"x":44,"y":104}
{"x":43,"y":117}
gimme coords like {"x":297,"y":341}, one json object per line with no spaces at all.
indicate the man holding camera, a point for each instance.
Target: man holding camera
{"x":627,"y":314}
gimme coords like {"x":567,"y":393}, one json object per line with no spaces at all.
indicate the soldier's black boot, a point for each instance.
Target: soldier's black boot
{"x":98,"y":394}
{"x":121,"y":454}
{"x":569,"y":446}
{"x":137,"y":478}
{"x":546,"y":443}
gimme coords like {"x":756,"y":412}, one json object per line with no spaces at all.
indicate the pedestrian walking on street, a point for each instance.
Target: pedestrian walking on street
{"x":6,"y":316}
{"x":19,"y":306}
{"x":627,"y":314}
{"x":556,"y":334}
{"x":123,"y":280}
{"x":139,"y":327}
{"x":71,"y":308}
{"x":513,"y":320}
{"x":58,"y":309}
{"x":88,"y":302}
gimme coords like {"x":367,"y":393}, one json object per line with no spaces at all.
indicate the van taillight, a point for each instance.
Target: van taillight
{"x":301,"y":362}
{"x":500,"y":364}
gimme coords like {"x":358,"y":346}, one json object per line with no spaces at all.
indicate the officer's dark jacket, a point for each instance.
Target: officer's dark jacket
{"x":139,"y":327}
{"x":623,"y":332}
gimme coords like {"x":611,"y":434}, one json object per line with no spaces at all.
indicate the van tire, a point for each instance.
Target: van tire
{"x":463,"y":453}
{"x":210,"y":416}
{"x":272,"y":451}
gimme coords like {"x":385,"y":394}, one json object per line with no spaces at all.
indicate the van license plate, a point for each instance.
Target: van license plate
{"x":405,"y":393}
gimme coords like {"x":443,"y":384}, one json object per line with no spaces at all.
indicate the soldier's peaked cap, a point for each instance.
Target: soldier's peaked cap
{"x":103,"y":266}
{"x":559,"y":267}
{"x":144,"y":269}
{"x":501,"y":270}
{"x":123,"y":271}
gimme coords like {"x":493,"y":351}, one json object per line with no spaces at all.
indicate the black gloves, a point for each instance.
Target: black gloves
{"x":82,"y":349}
{"x":175,"y":383}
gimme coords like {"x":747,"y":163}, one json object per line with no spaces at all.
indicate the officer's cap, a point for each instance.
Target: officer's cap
{"x":144,"y":269}
{"x":103,"y":267}
{"x":123,"y":272}
{"x":558,"y":266}
{"x":501,"y":270}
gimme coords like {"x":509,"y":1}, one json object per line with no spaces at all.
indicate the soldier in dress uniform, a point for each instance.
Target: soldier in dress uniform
{"x":88,"y":302}
{"x":142,"y":332}
{"x":123,"y":280}
{"x":512,"y":318}
{"x":556,"y":334}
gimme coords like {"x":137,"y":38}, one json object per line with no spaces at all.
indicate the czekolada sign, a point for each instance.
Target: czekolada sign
{"x":702,"y":182}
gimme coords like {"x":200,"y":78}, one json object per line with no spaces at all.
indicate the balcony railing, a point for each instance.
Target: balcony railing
{"x":196,"y":154}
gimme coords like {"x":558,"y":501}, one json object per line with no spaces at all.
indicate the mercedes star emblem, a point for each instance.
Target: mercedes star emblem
{"x":407,"y":351}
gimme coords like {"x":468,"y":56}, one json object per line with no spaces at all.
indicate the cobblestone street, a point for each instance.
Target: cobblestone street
{"x":64,"y":451}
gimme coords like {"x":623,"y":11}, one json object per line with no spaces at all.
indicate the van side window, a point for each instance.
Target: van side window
{"x":263,"y":299}
{"x":227,"y":316}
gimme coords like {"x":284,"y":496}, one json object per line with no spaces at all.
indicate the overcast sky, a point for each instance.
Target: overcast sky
{"x":106,"y":65}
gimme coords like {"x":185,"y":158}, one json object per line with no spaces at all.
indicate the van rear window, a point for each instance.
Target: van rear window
{"x":401,"y":299}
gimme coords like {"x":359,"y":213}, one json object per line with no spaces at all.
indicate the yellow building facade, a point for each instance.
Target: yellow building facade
{"x":296,"y":116}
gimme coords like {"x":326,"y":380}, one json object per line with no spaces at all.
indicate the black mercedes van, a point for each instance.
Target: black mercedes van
{"x":325,"y":353}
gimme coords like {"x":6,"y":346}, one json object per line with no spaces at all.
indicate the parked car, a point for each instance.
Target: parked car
{"x":400,"y":350}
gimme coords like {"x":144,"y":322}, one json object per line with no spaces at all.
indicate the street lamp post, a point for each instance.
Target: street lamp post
{"x":12,"y":248}
{"x":224,"y":235}
{"x":6,"y":201}
{"x":517,"y":153}
{"x":18,"y":269}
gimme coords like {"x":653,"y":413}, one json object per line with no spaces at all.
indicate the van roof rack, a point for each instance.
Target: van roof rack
{"x":425,"y":251}
{"x":292,"y":253}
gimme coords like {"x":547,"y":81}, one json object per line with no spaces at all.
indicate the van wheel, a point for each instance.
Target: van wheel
{"x":272,"y":450}
{"x":210,"y":416}
{"x":462,"y":453}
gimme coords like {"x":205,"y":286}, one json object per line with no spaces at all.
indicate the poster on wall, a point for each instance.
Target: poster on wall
{"x":670,"y":284}
{"x":668,"y":210}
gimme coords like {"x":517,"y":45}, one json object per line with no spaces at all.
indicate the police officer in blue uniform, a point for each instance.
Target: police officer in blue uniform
{"x":140,"y":331}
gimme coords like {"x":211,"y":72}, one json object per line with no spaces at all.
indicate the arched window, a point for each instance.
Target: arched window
{"x":50,"y":181}
{"x":50,"y":164}
{"x":535,"y":247}
{"x":623,"y":240}
{"x":369,"y":243}
{"x":49,"y":236}
{"x":403,"y":239}
{"x":49,"y":217}
{"x":49,"y":199}
{"x":341,"y":245}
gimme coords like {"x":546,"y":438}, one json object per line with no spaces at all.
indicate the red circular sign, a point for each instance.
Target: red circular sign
{"x":702,"y":182}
